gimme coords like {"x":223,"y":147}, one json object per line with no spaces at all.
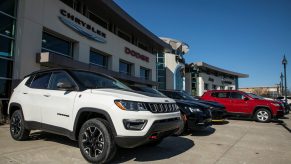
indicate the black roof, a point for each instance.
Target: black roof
{"x":64,"y":69}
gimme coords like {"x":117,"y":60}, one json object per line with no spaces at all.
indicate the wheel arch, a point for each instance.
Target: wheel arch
{"x":262,"y":107}
{"x":87,"y":113}
{"x":13,"y":107}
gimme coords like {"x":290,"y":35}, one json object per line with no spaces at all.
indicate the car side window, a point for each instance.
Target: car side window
{"x":59,"y":77}
{"x":41,"y":81}
{"x":222,"y":95}
{"x":235,"y":95}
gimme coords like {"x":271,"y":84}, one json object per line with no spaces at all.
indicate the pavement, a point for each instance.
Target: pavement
{"x":233,"y":141}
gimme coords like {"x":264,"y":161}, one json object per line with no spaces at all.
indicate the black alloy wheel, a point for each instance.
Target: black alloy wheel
{"x":17,"y":129}
{"x":96,"y":141}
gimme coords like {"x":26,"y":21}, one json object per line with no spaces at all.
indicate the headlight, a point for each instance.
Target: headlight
{"x":275,"y":104}
{"x":194,"y":109}
{"x":130,"y":105}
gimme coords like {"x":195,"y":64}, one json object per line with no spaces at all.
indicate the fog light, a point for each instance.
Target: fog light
{"x":137,"y":124}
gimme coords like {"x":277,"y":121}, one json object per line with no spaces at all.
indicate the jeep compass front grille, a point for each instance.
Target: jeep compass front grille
{"x":162,"y":108}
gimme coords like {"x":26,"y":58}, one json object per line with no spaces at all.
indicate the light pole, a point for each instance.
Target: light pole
{"x":284,"y":62}
{"x":281,"y":84}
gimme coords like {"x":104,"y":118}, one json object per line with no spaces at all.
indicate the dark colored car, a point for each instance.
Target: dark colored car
{"x":217,"y":110}
{"x":239,"y":103}
{"x":195,"y":115}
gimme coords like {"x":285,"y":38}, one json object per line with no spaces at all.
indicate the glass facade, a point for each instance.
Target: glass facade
{"x":161,"y":71}
{"x":7,"y":33}
{"x":98,"y":59}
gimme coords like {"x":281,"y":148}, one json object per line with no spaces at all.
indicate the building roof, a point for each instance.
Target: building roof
{"x":126,"y":17}
{"x":176,"y":44}
{"x":208,"y":66}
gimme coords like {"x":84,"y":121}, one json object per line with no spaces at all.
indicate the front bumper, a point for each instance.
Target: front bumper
{"x":280,"y":114}
{"x":199,"y":120}
{"x":159,"y":130}
{"x":218,"y":114}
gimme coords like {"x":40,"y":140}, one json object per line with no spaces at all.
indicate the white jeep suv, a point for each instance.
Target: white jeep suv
{"x":98,"y":111}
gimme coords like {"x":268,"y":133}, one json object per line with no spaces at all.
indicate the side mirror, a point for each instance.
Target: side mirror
{"x":65,"y":86}
{"x":246,"y":98}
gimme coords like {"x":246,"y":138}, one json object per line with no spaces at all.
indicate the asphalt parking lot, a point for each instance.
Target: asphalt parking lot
{"x":235,"y":141}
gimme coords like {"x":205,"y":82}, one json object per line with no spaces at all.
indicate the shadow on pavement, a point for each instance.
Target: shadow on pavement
{"x":40,"y":135}
{"x":224,"y":122}
{"x":170,"y":147}
{"x":205,"y":132}
{"x":282,"y":123}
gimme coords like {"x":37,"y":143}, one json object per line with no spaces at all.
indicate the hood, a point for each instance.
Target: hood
{"x":193,"y":103}
{"x":212,"y":104}
{"x":266,"y":101}
{"x":130,"y":95}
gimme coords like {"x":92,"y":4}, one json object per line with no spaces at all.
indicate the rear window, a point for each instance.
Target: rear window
{"x":220,"y":94}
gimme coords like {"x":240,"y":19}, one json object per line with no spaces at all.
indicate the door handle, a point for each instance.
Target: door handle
{"x":25,"y":93}
{"x":46,"y":95}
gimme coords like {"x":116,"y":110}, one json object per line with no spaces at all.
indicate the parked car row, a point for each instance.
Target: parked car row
{"x":102,"y":113}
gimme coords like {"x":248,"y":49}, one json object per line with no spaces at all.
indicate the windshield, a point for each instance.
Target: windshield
{"x":92,"y":80}
{"x":186,"y":96}
{"x":255,"y":96}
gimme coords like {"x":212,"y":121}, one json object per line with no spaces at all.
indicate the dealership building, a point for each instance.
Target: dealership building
{"x":201,"y":77}
{"x":171,"y":65}
{"x":93,"y":35}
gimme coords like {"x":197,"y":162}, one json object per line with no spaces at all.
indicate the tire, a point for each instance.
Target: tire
{"x":263,"y":115}
{"x":17,"y":129}
{"x":96,"y":141}
{"x":183,"y":126}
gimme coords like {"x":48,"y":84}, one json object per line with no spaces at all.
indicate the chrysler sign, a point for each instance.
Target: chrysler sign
{"x":81,"y":27}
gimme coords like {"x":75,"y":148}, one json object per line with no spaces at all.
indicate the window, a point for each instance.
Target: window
{"x":5,"y":88}
{"x":221,"y":87}
{"x":75,"y":4}
{"x":56,"y":45}
{"x":6,"y":68}
{"x":59,"y":77}
{"x":69,"y":2}
{"x":230,"y":88}
{"x":6,"y":47}
{"x":220,"y":94}
{"x":142,"y":46}
{"x":98,"y":20}
{"x":144,"y":73}
{"x":125,"y":68}
{"x":214,"y":87}
{"x":8,"y":7}
{"x":124,"y":36}
{"x":98,"y":59}
{"x":7,"y":25}
{"x":41,"y":81}
{"x":235,"y":95}
{"x":205,"y":86}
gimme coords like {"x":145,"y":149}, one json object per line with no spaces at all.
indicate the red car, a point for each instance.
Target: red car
{"x":239,"y":103}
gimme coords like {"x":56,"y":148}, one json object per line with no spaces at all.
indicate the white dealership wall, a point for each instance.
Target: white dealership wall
{"x":36,"y":15}
{"x":217,"y":80}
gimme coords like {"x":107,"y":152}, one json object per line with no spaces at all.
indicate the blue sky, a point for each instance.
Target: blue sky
{"x":246,"y":36}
